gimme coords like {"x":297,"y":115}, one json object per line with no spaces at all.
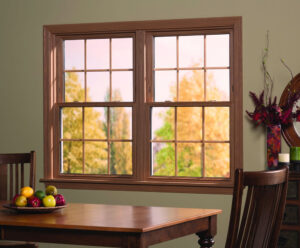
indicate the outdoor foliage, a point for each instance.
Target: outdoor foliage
{"x":96,"y":152}
{"x":189,"y":127}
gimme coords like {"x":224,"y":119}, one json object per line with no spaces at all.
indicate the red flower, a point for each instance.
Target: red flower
{"x":271,"y":113}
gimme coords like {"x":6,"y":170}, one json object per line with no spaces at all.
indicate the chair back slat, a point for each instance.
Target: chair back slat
{"x":3,"y":182}
{"x":22,"y":175}
{"x":11,"y":181}
{"x":16,"y":179}
{"x":12,"y":173}
{"x":263,"y":209}
{"x":32,"y":171}
{"x":247,"y":216}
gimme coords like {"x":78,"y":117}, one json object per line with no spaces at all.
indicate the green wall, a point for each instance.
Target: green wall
{"x":21,"y":78}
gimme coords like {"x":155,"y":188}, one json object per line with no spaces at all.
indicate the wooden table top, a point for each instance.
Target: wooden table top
{"x":100,"y":217}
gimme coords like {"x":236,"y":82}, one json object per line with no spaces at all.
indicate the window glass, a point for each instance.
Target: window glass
{"x":74,"y":54}
{"x":97,"y":54}
{"x":217,"y":50}
{"x":191,"y":51}
{"x":165,"y":52}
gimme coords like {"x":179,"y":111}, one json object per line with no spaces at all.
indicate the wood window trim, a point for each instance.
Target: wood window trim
{"x":53,"y":36}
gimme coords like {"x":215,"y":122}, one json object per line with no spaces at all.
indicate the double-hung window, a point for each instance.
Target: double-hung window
{"x":152,"y":105}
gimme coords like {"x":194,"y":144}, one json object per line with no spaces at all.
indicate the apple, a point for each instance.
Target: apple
{"x":40,"y":194}
{"x":51,"y":190}
{"x":14,"y":199}
{"x":60,"y":200}
{"x":34,"y":202}
{"x":21,"y":201}
{"x":49,"y":201}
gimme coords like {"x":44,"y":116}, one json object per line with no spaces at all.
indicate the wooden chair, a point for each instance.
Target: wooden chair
{"x":263,"y":209}
{"x":12,"y":179}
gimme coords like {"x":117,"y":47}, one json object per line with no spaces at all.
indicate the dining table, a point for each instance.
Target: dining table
{"x":109,"y":225}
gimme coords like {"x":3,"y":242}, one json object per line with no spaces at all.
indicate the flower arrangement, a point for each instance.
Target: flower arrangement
{"x":270,"y":113}
{"x":267,"y":111}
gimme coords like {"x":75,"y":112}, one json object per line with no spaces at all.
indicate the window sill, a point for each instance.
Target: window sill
{"x":148,"y":186}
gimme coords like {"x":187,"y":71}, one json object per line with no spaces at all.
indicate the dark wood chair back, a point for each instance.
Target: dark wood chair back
{"x":12,"y":179}
{"x":263,"y":211}
{"x":12,"y":173}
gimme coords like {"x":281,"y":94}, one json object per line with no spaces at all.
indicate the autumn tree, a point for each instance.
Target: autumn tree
{"x":119,"y":128}
{"x":95,"y":127}
{"x":189,"y":127}
{"x":95,"y":152}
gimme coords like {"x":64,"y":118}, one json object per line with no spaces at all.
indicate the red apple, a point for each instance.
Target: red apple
{"x":34,"y":202}
{"x":14,"y":199}
{"x":60,"y":200}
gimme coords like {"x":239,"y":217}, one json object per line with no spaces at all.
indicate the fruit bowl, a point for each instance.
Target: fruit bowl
{"x":33,"y":210}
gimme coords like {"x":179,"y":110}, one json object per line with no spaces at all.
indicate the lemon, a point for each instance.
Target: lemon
{"x":27,"y":191}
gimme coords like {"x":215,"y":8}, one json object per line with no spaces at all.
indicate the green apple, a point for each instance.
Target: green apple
{"x":40,"y":194}
{"x":51,"y":190}
{"x":49,"y":201}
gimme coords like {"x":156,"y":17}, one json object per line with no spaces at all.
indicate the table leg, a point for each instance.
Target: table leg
{"x":205,"y":240}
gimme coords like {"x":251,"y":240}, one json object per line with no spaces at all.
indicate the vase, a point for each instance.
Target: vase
{"x":273,"y":145}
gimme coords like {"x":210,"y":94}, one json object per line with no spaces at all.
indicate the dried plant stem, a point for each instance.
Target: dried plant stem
{"x":292,"y":76}
{"x":268,"y":81}
{"x":288,"y":68}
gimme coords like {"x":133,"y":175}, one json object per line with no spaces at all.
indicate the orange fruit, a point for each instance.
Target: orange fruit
{"x":27,"y":191}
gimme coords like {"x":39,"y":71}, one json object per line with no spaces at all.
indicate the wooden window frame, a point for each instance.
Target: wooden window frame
{"x":142,"y":32}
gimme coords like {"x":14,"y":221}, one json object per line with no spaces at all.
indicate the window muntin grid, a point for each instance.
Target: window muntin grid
{"x":96,"y":138}
{"x":210,"y":79}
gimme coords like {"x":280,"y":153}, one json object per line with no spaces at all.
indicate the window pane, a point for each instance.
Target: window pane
{"x":95,"y":123}
{"x":189,"y":159}
{"x":191,"y":85}
{"x":217,"y":160}
{"x":163,"y":159}
{"x":191,"y":51}
{"x":165,"y":86}
{"x":74,"y":54}
{"x":71,"y":123}
{"x":97,"y":86}
{"x":120,"y":123}
{"x":122,"y":53}
{"x":121,"y":158}
{"x":217,"y":50}
{"x":162,"y":123}
{"x":189,"y":123}
{"x":217,"y":85}
{"x":95,"y":156}
{"x":97,"y":52}
{"x":165,"y":52}
{"x":122,"y":86}
{"x":217,"y":123}
{"x":71,"y":157}
{"x":74,"y":87}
